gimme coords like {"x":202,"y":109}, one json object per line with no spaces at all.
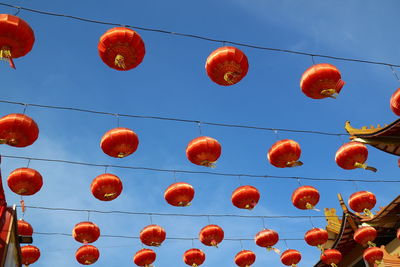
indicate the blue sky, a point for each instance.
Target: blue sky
{"x":64,"y":69}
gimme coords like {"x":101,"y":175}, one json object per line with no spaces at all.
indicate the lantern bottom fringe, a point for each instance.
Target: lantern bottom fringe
{"x":194,"y":265}
{"x":206,"y":163}
{"x":214,"y":244}
{"x":148,"y":265}
{"x":364,"y":166}
{"x":230,"y":77}
{"x":5,"y":54}
{"x":311,"y":207}
{"x":184,"y":204}
{"x":368,"y":213}
{"x":329,"y":93}
{"x":8,"y":142}
{"x":294,"y":163}
{"x":371,"y":244}
{"x":121,"y":155}
{"x":294,"y":265}
{"x":120,"y":61}
{"x":333,"y":265}
{"x":109,"y":195}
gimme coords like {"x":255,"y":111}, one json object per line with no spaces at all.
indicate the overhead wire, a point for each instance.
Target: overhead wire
{"x":194,"y":36}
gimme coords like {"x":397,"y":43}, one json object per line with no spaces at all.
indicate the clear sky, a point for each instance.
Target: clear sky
{"x":64,"y":69}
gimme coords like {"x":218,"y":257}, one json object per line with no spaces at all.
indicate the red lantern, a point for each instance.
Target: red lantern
{"x":285,"y":153}
{"x":373,"y":255}
{"x":106,"y":187}
{"x":87,"y":254}
{"x":395,"y":102}
{"x":365,"y":235}
{"x":86,"y":232}
{"x":227,"y":65}
{"x":152,"y":235}
{"x":266,"y":238}
{"x":25,"y":181}
{"x":398,"y":233}
{"x":144,"y":257}
{"x":362,"y":201}
{"x":121,"y":48}
{"x":119,"y":142}
{"x":18,"y":130}
{"x":316,"y":237}
{"x":194,"y":257}
{"x":16,"y":38}
{"x":321,"y":81}
{"x":211,"y":235}
{"x":245,"y":197}
{"x":203,"y":151}
{"x":331,"y":257}
{"x":290,"y":257}
{"x":24,"y":228}
{"x":245,"y":258}
{"x":353,"y":155}
{"x":29,"y":254}
{"x":305,"y":197}
{"x":179,"y":194}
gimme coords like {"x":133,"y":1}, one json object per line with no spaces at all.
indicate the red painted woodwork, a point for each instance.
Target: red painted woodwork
{"x":353,"y":155}
{"x":266,"y":238}
{"x":227,"y":65}
{"x":18,"y":130}
{"x":179,"y":194}
{"x":285,"y":153}
{"x":106,"y":187}
{"x":25,"y":181}
{"x":194,"y":257}
{"x":153,"y":235}
{"x":203,"y":151}
{"x":245,"y":197}
{"x":211,"y":235}
{"x":305,"y":197}
{"x":290,"y":257}
{"x":86,"y":232}
{"x":245,"y":258}
{"x":144,"y":257}
{"x":119,"y":142}
{"x":87,"y":254}
{"x":24,"y":228}
{"x":29,"y":254}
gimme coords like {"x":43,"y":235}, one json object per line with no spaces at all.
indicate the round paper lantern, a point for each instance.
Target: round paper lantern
{"x":211,"y":235}
{"x":121,"y":48}
{"x":395,"y":102}
{"x":119,"y":142}
{"x":321,"y":81}
{"x":179,"y":194}
{"x":245,"y":258}
{"x":194,"y":257}
{"x":18,"y":130}
{"x":153,"y":235}
{"x":362,"y":201}
{"x":87,"y":254}
{"x":227,"y":65}
{"x":305,"y":197}
{"x":373,"y":255}
{"x":203,"y":151}
{"x":106,"y":187}
{"x":290,"y":257}
{"x":29,"y":254}
{"x":266,"y":238}
{"x":25,"y":181}
{"x":365,"y":235}
{"x":24,"y":228}
{"x":353,"y":155}
{"x":144,"y":257}
{"x":331,"y":257}
{"x":245,"y":197}
{"x":285,"y":153}
{"x":16,"y":38}
{"x":398,"y":233}
{"x":86,"y":232}
{"x":316,"y":237}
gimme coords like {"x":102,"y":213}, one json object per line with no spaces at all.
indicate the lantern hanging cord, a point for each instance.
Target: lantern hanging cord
{"x":275,"y":130}
{"x":201,"y":172}
{"x":194,"y":36}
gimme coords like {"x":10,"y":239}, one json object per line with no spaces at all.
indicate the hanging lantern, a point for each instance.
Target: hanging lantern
{"x":331,"y":257}
{"x":152,"y":235}
{"x":227,"y":65}
{"x":18,"y":130}
{"x":106,"y":187}
{"x":144,"y":257}
{"x":395,"y":102}
{"x":87,"y":254}
{"x":398,"y":233}
{"x":245,"y":197}
{"x":24,"y":228}
{"x":305,"y":197}
{"x":119,"y":142}
{"x":25,"y":181}
{"x":211,"y":235}
{"x":316,"y":237}
{"x":290,"y":257}
{"x":353,"y":155}
{"x":267,"y":238}
{"x":29,"y":254}
{"x":121,"y":48}
{"x":365,"y":235}
{"x":245,"y":258}
{"x":362,"y":201}
{"x":179,"y":194}
{"x":203,"y":151}
{"x":16,"y":38}
{"x":194,"y":257}
{"x":373,"y":255}
{"x":321,"y":81}
{"x":86,"y":232}
{"x":285,"y":153}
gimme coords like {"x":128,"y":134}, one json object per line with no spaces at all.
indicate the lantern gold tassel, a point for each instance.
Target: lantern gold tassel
{"x":230,"y":77}
{"x":210,"y":164}
{"x":321,"y":248}
{"x":368,"y":213}
{"x":294,"y":265}
{"x":5,"y":54}
{"x":109,"y":195}
{"x":364,"y":166}
{"x":371,"y":244}
{"x":311,"y":207}
{"x":329,"y":93}
{"x":294,"y":163}
{"x":277,"y":251}
{"x":194,"y":265}
{"x":214,"y":244}
{"x":333,"y":265}
{"x":120,"y":61}
{"x":182,"y":204}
